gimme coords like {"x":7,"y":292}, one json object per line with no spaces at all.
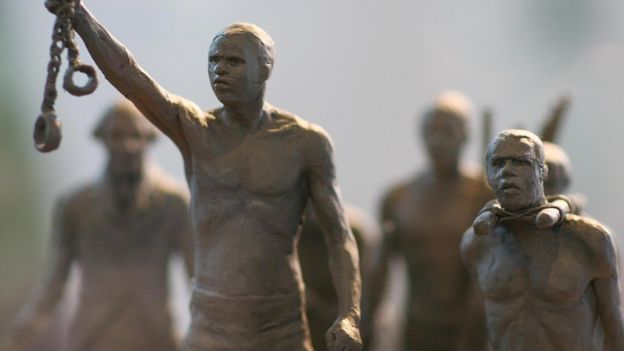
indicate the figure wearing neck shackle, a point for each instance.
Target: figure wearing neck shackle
{"x":121,"y":231}
{"x":251,"y":169}
{"x":543,"y":288}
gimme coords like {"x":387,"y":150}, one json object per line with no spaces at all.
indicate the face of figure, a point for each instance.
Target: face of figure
{"x":444,"y":137}
{"x":126,"y":139}
{"x":514,"y":173}
{"x":236,"y":75}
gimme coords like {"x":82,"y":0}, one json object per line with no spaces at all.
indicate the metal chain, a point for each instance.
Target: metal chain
{"x":60,"y":32}
{"x":47,"y":133}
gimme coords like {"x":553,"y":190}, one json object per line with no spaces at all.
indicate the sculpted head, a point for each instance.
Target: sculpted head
{"x":240,"y":61}
{"x":559,"y":169}
{"x":516,"y":169}
{"x":126,"y":134}
{"x":445,"y":130}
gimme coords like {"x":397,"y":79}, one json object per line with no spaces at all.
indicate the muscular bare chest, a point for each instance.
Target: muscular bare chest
{"x":549,"y":265}
{"x":262,"y":163}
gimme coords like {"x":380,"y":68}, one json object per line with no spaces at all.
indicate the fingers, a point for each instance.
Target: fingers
{"x":547,"y":218}
{"x":340,"y":341}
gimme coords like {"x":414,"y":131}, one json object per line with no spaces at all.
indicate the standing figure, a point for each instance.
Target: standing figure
{"x":251,"y":168}
{"x":121,"y":231}
{"x":423,"y":221}
{"x":543,"y":288}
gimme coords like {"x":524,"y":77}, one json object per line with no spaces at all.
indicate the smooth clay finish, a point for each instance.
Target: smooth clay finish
{"x":543,"y":288}
{"x":251,"y":168}
{"x":121,"y":231}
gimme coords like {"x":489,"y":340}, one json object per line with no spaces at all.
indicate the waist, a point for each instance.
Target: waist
{"x":248,"y":312}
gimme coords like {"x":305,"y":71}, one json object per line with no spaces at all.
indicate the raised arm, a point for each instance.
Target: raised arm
{"x":607,"y":291}
{"x":35,"y":317}
{"x":122,"y":71}
{"x":341,"y":246}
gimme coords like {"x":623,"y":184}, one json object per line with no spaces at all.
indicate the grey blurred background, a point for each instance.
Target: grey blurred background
{"x":362,"y":69}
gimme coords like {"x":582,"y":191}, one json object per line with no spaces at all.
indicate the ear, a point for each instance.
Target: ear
{"x":265,"y":72}
{"x":544,"y":172}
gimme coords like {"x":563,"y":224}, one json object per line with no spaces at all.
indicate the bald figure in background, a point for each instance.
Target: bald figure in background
{"x":423,"y":221}
{"x":252,"y":169}
{"x":121,"y":231}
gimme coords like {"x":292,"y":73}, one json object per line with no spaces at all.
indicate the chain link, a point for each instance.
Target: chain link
{"x":47,"y":128}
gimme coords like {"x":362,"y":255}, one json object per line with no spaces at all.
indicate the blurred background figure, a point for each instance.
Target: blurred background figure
{"x":423,"y":222}
{"x":121,"y":231}
{"x":321,"y":298}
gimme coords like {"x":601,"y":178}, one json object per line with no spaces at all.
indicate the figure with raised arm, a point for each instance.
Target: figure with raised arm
{"x":543,"y":288}
{"x":251,"y":168}
{"x":121,"y":231}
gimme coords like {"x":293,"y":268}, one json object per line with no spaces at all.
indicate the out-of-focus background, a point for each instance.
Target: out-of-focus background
{"x":362,"y":69}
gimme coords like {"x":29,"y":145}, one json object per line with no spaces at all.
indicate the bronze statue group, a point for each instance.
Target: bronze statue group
{"x":498,"y":259}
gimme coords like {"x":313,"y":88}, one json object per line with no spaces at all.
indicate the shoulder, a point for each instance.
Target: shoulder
{"x":472,"y":245}
{"x":591,"y":232}
{"x":312,"y":141}
{"x":190,"y":113}
{"x":308,"y":133}
{"x":80,"y":197}
{"x":396,"y":192}
{"x":596,"y":238}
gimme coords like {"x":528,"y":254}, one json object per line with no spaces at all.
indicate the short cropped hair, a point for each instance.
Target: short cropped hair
{"x":262,"y":41}
{"x":519,"y":134}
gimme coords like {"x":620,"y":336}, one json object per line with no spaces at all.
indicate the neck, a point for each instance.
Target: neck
{"x":245,"y":115}
{"x":444,"y":172}
{"x":124,"y":185}
{"x":540,"y":200}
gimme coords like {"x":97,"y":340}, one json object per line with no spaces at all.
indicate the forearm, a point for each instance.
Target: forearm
{"x":344,"y":266}
{"x":122,"y":71}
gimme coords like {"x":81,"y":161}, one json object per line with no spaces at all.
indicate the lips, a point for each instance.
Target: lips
{"x":509,"y":187}
{"x":221,"y":83}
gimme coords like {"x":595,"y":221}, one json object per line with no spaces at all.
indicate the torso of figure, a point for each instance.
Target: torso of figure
{"x":428,"y":217}
{"x":123,"y":260}
{"x":537,"y":285}
{"x":248,"y":197}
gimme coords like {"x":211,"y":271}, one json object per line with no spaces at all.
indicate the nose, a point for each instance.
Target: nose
{"x":219,"y":68}
{"x":508,"y":169}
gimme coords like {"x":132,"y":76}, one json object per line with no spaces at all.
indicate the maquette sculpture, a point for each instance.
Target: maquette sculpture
{"x":251,"y":169}
{"x":321,"y":298}
{"x":121,"y":231}
{"x":424,"y":220}
{"x":543,"y":288}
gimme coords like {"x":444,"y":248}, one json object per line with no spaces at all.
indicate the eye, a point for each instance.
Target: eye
{"x":235,"y":61}
{"x":213,"y":59}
